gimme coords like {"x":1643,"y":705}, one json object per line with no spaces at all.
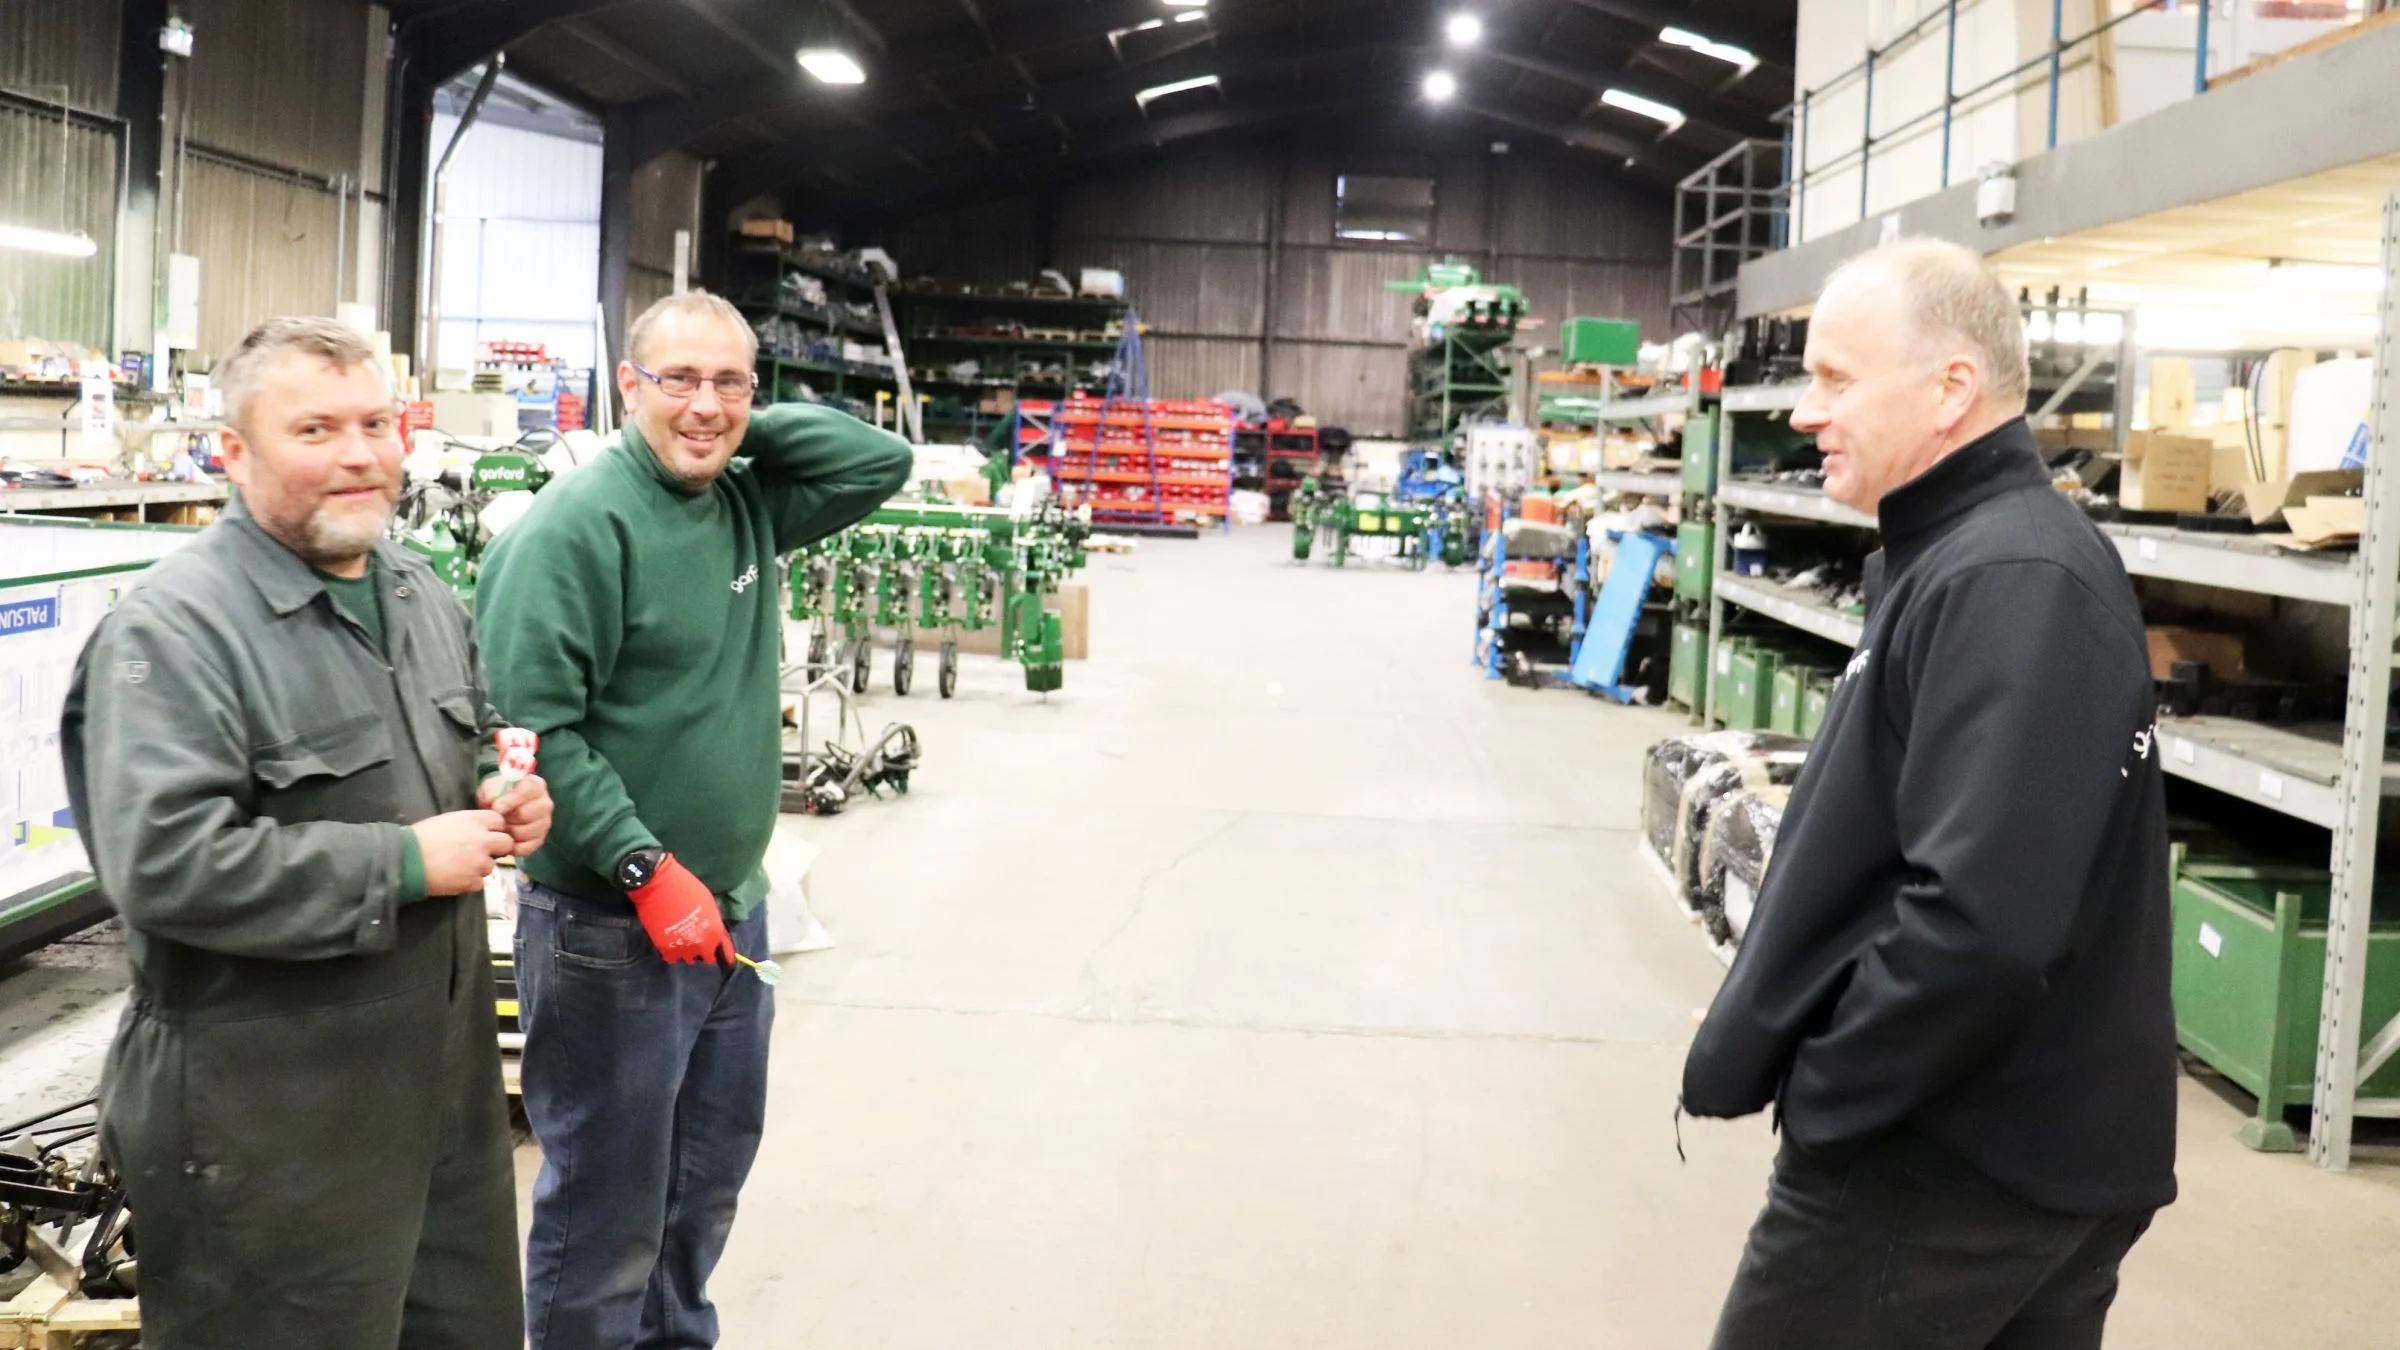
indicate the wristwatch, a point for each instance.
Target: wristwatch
{"x":640,"y":867}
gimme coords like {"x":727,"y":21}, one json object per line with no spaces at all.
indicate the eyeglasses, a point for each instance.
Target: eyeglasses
{"x":684,"y":384}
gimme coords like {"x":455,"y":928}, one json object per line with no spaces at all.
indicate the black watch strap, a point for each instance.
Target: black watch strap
{"x":640,"y":867}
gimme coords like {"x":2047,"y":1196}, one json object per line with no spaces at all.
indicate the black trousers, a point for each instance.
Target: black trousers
{"x":1902,"y":1245}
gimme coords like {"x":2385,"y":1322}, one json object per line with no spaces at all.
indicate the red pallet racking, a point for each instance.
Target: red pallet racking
{"x":1169,"y":461}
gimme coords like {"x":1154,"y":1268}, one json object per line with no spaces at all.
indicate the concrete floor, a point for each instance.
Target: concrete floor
{"x":1284,"y":983}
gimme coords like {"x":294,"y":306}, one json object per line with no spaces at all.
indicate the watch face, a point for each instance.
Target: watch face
{"x":636,"y":871}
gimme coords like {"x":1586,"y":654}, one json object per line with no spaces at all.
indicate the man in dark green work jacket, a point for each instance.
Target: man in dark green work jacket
{"x":273,"y":748}
{"x":633,"y":618}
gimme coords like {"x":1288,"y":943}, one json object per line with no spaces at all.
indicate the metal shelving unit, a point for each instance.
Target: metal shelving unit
{"x":1643,"y":409}
{"x":1796,"y":608}
{"x":1645,"y":484}
{"x":1764,"y":398}
{"x":144,"y":495}
{"x":2235,"y":562}
{"x":1792,"y":503}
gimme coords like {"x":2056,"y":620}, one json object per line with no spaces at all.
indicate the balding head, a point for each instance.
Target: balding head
{"x":1914,"y":350}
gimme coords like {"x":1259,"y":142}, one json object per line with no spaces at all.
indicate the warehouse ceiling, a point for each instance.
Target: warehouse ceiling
{"x":973,"y":98}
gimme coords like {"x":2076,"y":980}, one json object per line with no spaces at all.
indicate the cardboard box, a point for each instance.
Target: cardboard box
{"x":2268,"y":500}
{"x":2328,"y":520}
{"x":2171,"y":394}
{"x":768,"y":228}
{"x":1074,"y":605}
{"x":2164,"y":472}
{"x":2222,"y":653}
{"x":968,"y":491}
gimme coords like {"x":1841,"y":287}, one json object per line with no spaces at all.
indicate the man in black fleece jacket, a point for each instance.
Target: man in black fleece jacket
{"x":1955,"y":989}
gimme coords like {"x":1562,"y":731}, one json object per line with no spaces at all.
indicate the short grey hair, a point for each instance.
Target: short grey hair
{"x":696,"y":303}
{"x":1954,"y":296}
{"x":330,"y":341}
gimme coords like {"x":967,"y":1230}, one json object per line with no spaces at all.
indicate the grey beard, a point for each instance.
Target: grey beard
{"x":326,"y":544}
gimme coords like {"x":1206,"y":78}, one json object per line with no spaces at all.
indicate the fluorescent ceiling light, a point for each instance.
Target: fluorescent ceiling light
{"x":47,"y":241}
{"x":831,"y":66}
{"x":1189,"y":16}
{"x":1143,"y":27}
{"x":1463,"y":30}
{"x":1723,"y":51}
{"x":1187,"y":4}
{"x":1635,"y":103}
{"x":2339,"y":278}
{"x":1162,"y":90}
{"x":1384,"y":236}
{"x":1440,"y":85}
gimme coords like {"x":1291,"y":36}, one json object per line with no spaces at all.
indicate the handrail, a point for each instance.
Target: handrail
{"x":1796,"y":119}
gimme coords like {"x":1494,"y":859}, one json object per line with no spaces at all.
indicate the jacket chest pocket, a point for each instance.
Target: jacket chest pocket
{"x":458,"y":725}
{"x":339,"y":771}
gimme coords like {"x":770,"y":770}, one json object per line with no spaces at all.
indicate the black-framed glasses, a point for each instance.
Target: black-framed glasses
{"x":684,"y":384}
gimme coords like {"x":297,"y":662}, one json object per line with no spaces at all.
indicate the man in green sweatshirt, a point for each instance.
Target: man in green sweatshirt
{"x":633,"y":619}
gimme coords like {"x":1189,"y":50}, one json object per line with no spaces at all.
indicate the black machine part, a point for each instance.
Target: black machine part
{"x":41,"y":1183}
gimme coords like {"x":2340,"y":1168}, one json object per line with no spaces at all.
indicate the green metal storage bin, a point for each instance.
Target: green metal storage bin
{"x":1787,"y":704}
{"x":1687,"y":666}
{"x":1700,"y":454}
{"x":1695,"y":560}
{"x":2249,"y":976}
{"x":1748,"y":695}
{"x":1599,"y":342}
{"x":1814,"y":700}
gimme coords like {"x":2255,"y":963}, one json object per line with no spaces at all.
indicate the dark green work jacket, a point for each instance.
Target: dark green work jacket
{"x":306,"y":1042}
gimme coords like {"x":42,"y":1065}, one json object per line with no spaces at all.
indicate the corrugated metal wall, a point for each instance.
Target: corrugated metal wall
{"x":1189,"y":233}
{"x":266,"y":248}
{"x":56,"y":179}
{"x":280,"y":80}
{"x":48,"y":43}
{"x":666,"y":198}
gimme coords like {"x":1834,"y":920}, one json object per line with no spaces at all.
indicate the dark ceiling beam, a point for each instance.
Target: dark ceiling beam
{"x":448,"y":41}
{"x":859,"y":24}
{"x":713,"y":13}
{"x":627,"y":57}
{"x":661,"y":125}
{"x":1697,"y":105}
{"x":1770,"y":41}
{"x":1569,"y":134}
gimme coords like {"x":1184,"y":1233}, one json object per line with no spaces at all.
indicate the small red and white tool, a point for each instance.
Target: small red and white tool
{"x":516,"y":746}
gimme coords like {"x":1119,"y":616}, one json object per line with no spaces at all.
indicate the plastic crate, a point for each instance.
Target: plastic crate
{"x":1814,"y":701}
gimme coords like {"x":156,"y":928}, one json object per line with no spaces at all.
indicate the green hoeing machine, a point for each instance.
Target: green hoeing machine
{"x":442,"y":518}
{"x":1421,"y":531}
{"x":935,"y":567}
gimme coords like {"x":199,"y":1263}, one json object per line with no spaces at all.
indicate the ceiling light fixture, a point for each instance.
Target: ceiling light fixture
{"x":1143,"y":27}
{"x":1723,"y":51}
{"x":1157,"y":91}
{"x":47,"y":241}
{"x":1189,"y":16}
{"x":1463,"y":30}
{"x":1187,"y":4}
{"x":1651,"y":108}
{"x":1440,"y":85}
{"x":831,"y":66}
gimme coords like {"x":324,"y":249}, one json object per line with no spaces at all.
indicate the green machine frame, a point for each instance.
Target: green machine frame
{"x":943,"y":568}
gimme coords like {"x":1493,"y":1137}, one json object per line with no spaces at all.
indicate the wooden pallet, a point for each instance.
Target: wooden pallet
{"x":50,"y":1315}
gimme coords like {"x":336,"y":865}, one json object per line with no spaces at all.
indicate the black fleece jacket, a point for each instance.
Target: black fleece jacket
{"x":1964,"y":930}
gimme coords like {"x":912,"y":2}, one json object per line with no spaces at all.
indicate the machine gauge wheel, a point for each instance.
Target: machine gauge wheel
{"x":862,"y":665}
{"x":949,"y":670}
{"x":816,"y":656}
{"x":904,"y":665}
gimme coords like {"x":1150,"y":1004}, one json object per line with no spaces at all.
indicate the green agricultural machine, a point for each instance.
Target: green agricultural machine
{"x":1420,"y":531}
{"x":442,"y":518}
{"x":933,"y":567}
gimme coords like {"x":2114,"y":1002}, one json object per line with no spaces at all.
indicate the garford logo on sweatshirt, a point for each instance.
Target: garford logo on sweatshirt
{"x":2145,"y":743}
{"x":1857,"y":663}
{"x":746,"y":580}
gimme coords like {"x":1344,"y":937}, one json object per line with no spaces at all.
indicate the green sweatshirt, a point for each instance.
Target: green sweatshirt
{"x":638,"y":628}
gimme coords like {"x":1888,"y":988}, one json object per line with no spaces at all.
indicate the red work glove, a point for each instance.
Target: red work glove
{"x":681,"y":917}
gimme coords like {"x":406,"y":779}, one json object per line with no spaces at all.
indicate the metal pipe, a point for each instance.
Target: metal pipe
{"x":1866,"y":133}
{"x":2058,"y":51}
{"x":1949,"y":89}
{"x":341,"y":239}
{"x":2200,"y":52}
{"x":429,"y":333}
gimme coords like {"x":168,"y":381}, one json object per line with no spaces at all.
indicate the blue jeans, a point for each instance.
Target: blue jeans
{"x":646,"y":1085}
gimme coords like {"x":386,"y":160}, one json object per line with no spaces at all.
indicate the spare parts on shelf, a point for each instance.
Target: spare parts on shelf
{"x":941,"y":568}
{"x":1458,"y":366}
{"x":1135,"y":462}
